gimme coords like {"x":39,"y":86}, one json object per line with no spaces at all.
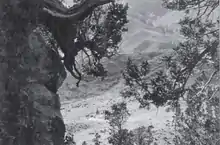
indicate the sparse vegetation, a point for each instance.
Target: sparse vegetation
{"x":191,"y":74}
{"x":96,"y":140}
{"x":143,"y":135}
{"x":117,"y":117}
{"x":69,"y":139}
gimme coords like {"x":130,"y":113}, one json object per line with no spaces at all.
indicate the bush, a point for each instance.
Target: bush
{"x":117,"y":117}
{"x":96,"y":140}
{"x":143,"y":135}
{"x":69,"y":139}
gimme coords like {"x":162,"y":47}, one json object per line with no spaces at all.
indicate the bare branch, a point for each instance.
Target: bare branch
{"x":215,"y":5}
{"x":214,"y":93}
{"x":88,"y":56}
{"x":57,"y":9}
{"x":79,"y":74}
{"x":55,"y":5}
{"x":207,"y":83}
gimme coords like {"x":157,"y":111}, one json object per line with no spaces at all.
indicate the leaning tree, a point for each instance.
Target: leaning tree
{"x":31,"y":69}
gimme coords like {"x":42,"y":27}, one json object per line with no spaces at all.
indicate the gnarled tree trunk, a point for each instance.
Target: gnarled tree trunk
{"x":31,"y":72}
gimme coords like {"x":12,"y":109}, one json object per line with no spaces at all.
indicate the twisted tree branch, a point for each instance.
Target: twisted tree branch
{"x":57,"y":9}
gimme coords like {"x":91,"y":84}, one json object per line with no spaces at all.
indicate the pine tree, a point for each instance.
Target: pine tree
{"x":116,"y":118}
{"x":84,"y":143}
{"x":96,"y":140}
{"x":69,"y":140}
{"x":189,"y":73}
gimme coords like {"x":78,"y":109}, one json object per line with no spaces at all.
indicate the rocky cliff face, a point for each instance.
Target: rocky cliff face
{"x":31,"y":72}
{"x":30,"y":75}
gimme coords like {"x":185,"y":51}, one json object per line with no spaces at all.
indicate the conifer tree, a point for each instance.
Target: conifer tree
{"x":190,"y":73}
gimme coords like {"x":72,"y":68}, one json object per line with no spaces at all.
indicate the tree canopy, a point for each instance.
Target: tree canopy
{"x":97,"y":34}
{"x":190,"y":75}
{"x":93,"y":27}
{"x":197,"y":52}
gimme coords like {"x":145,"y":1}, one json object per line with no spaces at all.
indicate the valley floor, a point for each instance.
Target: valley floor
{"x":82,"y":119}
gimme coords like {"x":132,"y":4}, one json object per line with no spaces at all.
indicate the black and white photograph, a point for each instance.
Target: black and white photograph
{"x":109,"y":72}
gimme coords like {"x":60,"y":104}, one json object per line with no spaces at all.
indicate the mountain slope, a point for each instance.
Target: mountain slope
{"x":149,"y":37}
{"x":83,"y":120}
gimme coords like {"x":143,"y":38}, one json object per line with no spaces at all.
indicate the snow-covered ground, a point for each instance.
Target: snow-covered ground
{"x":146,"y":38}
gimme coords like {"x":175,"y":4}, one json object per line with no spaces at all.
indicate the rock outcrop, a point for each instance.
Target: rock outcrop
{"x":31,"y":71}
{"x":30,"y":108}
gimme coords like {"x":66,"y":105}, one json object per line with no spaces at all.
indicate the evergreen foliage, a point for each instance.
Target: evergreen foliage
{"x":191,"y":74}
{"x":116,"y":118}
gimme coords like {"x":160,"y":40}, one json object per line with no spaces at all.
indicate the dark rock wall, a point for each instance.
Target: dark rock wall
{"x":30,"y":75}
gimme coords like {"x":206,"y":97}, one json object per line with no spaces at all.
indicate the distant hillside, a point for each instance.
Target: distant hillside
{"x":146,"y":39}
